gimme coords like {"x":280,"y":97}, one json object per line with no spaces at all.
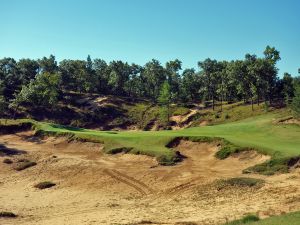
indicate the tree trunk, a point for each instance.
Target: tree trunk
{"x":168,"y":114}
{"x":221,"y":104}
{"x":213,"y":103}
{"x":15,"y":112}
{"x":252,"y":103}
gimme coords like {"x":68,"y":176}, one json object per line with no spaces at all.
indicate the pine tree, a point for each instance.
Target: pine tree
{"x":296,"y":102}
{"x":165,"y":99}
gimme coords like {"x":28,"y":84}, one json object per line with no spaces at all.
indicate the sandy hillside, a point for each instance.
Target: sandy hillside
{"x":95,"y":188}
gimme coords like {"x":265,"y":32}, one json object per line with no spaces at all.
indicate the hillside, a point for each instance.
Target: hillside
{"x":106,"y":112}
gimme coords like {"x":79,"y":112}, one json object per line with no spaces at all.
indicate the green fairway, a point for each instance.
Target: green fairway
{"x":260,"y":133}
{"x":257,"y":132}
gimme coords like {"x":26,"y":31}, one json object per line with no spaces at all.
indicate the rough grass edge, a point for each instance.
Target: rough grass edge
{"x":245,"y":220}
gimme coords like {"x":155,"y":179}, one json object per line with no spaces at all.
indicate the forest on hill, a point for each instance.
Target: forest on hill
{"x":41,"y":83}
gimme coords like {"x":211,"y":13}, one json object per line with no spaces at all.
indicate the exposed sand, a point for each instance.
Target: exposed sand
{"x":95,"y":188}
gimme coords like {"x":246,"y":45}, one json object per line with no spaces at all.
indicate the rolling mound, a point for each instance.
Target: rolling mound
{"x":95,"y":188}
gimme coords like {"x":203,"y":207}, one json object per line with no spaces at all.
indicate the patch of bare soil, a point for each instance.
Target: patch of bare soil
{"x":288,"y":120}
{"x":291,"y":121}
{"x":95,"y":188}
{"x":183,"y":121}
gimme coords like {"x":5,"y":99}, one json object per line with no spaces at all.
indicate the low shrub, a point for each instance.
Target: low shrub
{"x":25,"y":165}
{"x":245,"y":220}
{"x":228,"y":149}
{"x":44,"y":185}
{"x":274,"y":165}
{"x":119,"y":150}
{"x":7,"y":161}
{"x":250,"y":218}
{"x":164,"y":160}
{"x":239,"y":182}
{"x":7,"y":215}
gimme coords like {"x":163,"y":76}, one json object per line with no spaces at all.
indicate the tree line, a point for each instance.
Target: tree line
{"x":41,"y":82}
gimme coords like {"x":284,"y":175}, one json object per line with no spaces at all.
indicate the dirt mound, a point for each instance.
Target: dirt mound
{"x":288,"y":120}
{"x":95,"y":188}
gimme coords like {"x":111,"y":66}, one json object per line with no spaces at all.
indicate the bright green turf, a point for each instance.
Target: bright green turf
{"x":256,"y":132}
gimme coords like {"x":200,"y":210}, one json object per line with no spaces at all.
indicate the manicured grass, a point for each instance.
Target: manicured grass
{"x":288,"y":219}
{"x":259,"y":132}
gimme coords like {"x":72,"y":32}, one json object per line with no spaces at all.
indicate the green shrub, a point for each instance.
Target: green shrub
{"x":44,"y":185}
{"x":274,"y":165}
{"x":245,"y":220}
{"x":240,"y":182}
{"x":25,"y":165}
{"x":224,"y":152}
{"x":250,"y":218}
{"x":119,"y":150}
{"x":169,"y":160}
{"x":296,"y":102}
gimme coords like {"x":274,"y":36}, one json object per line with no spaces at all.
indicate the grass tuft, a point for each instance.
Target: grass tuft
{"x":245,"y":220}
{"x":7,"y":215}
{"x":274,"y":165}
{"x":24,"y":165}
{"x":7,"y":161}
{"x":240,"y":182}
{"x":45,"y":185}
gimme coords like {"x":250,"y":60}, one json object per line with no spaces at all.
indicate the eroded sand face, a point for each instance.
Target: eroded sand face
{"x":95,"y":188}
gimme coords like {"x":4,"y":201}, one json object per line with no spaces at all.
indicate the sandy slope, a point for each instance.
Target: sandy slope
{"x":95,"y":188}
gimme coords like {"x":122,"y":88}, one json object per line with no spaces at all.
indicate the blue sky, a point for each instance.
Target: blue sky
{"x":139,"y":30}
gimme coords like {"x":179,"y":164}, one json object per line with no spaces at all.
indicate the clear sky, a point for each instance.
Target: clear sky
{"x":139,"y":30}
